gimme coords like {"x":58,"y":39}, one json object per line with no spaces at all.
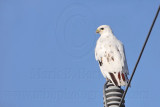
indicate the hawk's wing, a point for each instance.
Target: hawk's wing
{"x":124,"y":61}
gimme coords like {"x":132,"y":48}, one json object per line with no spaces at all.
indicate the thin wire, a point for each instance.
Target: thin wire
{"x":139,"y":56}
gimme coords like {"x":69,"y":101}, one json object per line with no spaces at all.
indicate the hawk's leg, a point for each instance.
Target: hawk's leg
{"x":108,"y":80}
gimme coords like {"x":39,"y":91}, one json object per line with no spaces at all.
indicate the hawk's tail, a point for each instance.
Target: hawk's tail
{"x":118,"y":78}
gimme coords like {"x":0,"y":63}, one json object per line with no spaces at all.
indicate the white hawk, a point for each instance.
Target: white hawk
{"x":110,"y":54}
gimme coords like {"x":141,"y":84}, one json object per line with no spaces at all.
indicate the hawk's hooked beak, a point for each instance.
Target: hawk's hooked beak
{"x":97,"y":31}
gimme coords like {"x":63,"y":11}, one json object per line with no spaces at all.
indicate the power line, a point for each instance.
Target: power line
{"x":124,"y":94}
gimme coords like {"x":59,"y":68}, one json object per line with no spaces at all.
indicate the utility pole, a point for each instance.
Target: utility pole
{"x":112,"y":95}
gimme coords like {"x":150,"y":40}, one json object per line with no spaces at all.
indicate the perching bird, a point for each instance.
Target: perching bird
{"x":110,"y":54}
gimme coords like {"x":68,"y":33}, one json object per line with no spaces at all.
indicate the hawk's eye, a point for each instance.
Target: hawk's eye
{"x":102,"y":28}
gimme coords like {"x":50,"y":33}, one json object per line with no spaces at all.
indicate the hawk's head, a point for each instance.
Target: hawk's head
{"x":103,"y":29}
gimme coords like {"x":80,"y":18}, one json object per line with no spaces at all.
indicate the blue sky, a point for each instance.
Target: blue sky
{"x":47,"y":51}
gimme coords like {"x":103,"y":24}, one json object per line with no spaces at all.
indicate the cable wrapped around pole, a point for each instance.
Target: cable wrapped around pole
{"x":112,"y":95}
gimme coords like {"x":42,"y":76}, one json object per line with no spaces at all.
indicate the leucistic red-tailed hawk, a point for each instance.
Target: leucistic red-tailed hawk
{"x":110,"y":54}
